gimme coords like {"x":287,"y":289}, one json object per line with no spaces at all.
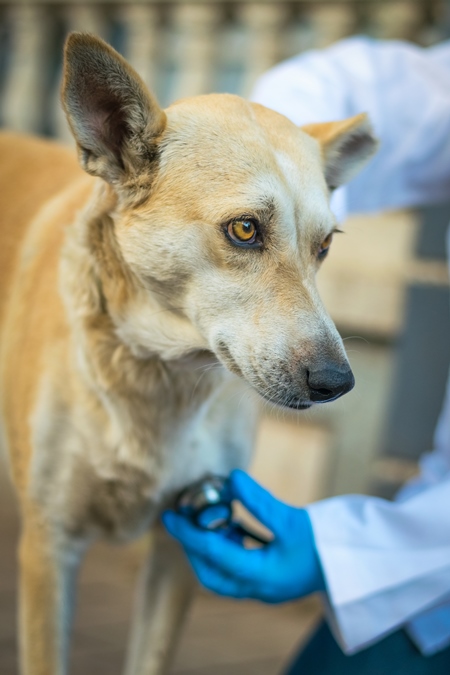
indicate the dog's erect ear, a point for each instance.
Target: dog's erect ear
{"x":113,"y":116}
{"x":346,"y":146}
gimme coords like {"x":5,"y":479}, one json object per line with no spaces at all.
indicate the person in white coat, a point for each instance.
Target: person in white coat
{"x":381,"y":565}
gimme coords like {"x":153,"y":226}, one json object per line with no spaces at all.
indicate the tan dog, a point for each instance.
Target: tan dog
{"x":139,"y":310}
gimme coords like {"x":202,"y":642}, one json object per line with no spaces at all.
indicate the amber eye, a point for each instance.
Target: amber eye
{"x":324,"y":246}
{"x":242,"y":231}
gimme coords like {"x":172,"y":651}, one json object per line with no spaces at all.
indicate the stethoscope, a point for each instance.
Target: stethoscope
{"x":208,"y":504}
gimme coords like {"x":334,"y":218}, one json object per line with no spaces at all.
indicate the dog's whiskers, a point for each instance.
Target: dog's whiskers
{"x":207,"y":368}
{"x":356,"y":337}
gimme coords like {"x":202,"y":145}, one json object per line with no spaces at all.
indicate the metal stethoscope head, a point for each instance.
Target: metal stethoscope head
{"x":208,"y":504}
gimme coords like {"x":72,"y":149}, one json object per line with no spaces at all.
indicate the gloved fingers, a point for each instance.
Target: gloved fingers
{"x":268,"y":509}
{"x":214,"y":580}
{"x":214,"y":547}
{"x":236,"y":534}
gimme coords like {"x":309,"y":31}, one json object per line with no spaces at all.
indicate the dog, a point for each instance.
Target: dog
{"x":148,"y":304}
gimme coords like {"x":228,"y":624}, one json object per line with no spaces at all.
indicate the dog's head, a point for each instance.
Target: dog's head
{"x":221,"y":216}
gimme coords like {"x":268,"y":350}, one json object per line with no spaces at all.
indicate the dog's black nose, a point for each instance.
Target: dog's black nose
{"x":327,"y":384}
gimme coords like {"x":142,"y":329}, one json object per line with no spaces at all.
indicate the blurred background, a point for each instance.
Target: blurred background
{"x":385,"y":284}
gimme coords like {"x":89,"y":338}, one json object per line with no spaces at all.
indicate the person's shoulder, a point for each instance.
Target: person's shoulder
{"x":313,"y":60}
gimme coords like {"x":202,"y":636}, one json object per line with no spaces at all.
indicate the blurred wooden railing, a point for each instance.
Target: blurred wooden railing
{"x":182,"y":47}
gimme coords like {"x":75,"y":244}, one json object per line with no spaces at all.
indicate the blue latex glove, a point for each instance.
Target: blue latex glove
{"x":285,"y":569}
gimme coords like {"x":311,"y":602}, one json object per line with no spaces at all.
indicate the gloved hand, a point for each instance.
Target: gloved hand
{"x":285,"y":569}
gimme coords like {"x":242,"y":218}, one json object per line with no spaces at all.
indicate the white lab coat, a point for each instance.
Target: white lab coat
{"x":386,"y":564}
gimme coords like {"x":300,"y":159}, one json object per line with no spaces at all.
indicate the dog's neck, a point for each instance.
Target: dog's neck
{"x":96,"y":285}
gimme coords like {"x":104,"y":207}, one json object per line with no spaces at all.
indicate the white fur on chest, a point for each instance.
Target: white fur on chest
{"x":217,"y":438}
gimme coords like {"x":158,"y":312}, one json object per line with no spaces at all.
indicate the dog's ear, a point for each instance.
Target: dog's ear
{"x":113,"y":116}
{"x":346,"y":146}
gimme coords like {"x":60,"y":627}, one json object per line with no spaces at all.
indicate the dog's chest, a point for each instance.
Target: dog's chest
{"x":126,"y":498}
{"x":121,"y":505}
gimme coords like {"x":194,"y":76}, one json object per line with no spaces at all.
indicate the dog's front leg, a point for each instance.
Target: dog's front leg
{"x":48,"y":566}
{"x":163,"y":596}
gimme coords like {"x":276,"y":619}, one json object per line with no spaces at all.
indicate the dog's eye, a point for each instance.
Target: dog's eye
{"x":324,"y":246}
{"x":242,"y":231}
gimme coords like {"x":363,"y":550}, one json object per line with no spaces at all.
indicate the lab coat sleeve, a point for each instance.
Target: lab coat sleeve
{"x":385,"y":563}
{"x":404,"y":88}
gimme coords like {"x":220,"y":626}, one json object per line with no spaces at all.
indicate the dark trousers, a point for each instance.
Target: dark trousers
{"x":395,"y":655}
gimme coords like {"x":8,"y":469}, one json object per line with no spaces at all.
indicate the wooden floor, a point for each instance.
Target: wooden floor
{"x":221,"y":637}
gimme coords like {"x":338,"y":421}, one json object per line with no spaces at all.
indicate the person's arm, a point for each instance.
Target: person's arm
{"x":379,"y":563}
{"x":406,"y":91}
{"x":384,"y":562}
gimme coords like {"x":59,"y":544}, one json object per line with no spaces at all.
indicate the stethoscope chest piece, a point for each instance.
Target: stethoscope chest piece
{"x":208,"y":504}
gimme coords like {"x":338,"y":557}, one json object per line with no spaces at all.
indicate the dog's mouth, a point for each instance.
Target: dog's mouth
{"x":299,"y":406}
{"x":228,"y":360}
{"x":292,"y":404}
